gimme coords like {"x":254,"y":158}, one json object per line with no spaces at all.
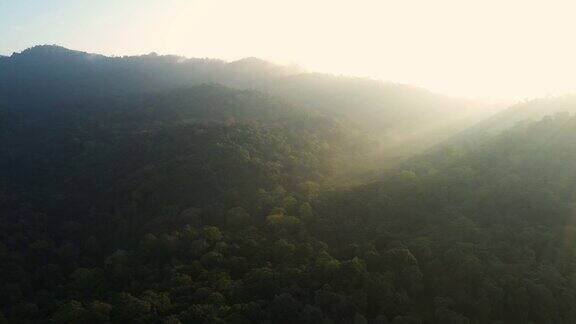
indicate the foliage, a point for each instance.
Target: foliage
{"x":208,"y":204}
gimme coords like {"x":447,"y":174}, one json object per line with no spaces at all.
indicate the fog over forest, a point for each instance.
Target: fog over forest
{"x":312,"y":162}
{"x":163,"y":189}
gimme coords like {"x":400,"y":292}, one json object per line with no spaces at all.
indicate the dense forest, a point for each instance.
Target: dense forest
{"x":158,"y":189}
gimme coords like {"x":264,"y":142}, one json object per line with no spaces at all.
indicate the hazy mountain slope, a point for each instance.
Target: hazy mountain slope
{"x":532,"y":110}
{"x":122,"y":135}
{"x":126,"y":196}
{"x":85,"y":185}
{"x":401,"y":119}
{"x":397,"y":120}
{"x":49,"y":75}
{"x":383,"y":106}
{"x":490,"y":226}
{"x":206,"y":204}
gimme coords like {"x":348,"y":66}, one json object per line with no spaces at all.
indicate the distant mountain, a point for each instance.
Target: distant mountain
{"x":160,"y":189}
{"x":50,"y":75}
{"x":401,"y":113}
{"x":400,"y":118}
{"x":532,"y":110}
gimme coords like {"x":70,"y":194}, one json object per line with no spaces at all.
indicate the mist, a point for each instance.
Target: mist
{"x":367,"y":162}
{"x":508,"y":50}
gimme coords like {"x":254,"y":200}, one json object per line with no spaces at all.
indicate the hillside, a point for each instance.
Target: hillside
{"x":82,"y":189}
{"x":488,"y":228}
{"x":401,"y":120}
{"x":157,"y":189}
{"x":526,"y":111}
{"x":56,"y":75}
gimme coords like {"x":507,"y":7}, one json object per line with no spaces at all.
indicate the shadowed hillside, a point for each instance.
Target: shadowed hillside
{"x":135,"y":190}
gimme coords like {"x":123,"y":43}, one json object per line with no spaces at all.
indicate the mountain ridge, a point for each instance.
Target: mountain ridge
{"x":153,"y":189}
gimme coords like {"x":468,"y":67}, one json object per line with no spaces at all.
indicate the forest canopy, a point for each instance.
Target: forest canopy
{"x":154,"y":189}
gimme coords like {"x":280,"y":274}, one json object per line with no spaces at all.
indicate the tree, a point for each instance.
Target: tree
{"x":70,"y":312}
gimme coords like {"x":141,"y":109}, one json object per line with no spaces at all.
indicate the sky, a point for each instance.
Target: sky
{"x":501,"y":49}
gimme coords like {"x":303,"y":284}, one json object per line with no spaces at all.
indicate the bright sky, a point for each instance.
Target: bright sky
{"x":482,"y":48}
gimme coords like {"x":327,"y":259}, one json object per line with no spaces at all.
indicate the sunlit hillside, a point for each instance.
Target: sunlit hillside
{"x":316,"y":162}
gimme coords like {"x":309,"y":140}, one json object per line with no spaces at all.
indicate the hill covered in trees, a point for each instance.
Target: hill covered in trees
{"x":526,"y":111}
{"x":80,"y":184}
{"x":400,"y":119}
{"x":484,"y":232}
{"x":158,"y":189}
{"x":56,"y":75}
